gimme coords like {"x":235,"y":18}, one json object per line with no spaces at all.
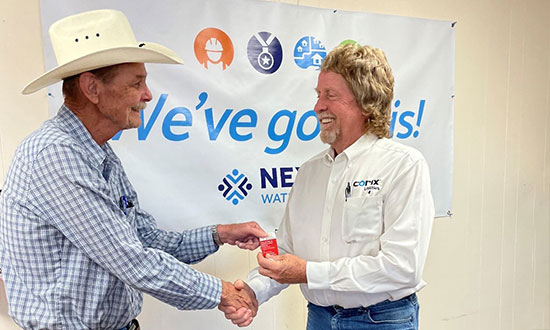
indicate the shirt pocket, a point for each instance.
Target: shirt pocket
{"x":131,"y":216}
{"x":362,"y":218}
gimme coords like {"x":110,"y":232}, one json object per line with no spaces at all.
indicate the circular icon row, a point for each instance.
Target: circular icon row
{"x":214,"y":50}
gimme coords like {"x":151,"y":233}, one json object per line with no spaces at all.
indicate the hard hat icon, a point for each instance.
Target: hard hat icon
{"x":214,"y":50}
{"x":213,"y":46}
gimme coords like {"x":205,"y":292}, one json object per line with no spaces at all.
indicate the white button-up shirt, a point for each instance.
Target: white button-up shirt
{"x":362,"y":220}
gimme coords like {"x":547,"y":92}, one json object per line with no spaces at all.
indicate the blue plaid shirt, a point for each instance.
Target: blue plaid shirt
{"x":74,"y":255}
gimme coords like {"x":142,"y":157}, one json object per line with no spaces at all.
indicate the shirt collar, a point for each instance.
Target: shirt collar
{"x":366,"y":141}
{"x":71,"y":124}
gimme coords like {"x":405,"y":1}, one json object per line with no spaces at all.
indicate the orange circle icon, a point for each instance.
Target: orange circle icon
{"x":213,"y":47}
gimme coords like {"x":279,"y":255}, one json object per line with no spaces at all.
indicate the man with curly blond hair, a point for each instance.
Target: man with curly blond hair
{"x":357,"y":225}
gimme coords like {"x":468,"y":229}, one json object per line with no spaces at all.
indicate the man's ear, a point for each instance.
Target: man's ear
{"x":90,"y":86}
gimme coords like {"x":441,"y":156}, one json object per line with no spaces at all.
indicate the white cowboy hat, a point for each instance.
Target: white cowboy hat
{"x":97,"y":39}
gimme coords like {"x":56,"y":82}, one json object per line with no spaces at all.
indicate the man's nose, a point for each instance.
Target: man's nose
{"x":320,"y":106}
{"x":147,"y":96}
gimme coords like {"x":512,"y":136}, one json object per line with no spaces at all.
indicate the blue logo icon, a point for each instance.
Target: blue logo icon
{"x":235,"y":187}
{"x":265,"y":52}
{"x":309,"y":51}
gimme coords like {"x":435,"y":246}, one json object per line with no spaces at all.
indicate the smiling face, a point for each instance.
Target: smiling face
{"x":342,"y":121}
{"x":124,"y":96}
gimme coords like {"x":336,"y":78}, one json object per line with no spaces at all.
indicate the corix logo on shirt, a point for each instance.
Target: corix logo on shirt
{"x":368,"y":184}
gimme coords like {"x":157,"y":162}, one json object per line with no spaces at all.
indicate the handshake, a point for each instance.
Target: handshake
{"x":238,"y":303}
{"x":238,"y":300}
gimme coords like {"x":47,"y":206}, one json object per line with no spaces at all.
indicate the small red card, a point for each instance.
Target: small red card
{"x":269,"y":245}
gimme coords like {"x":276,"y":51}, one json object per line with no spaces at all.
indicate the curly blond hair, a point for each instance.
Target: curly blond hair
{"x":369,"y":76}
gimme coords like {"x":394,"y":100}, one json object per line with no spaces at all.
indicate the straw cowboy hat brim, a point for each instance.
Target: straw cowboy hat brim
{"x":148,"y":53}
{"x":96,"y":39}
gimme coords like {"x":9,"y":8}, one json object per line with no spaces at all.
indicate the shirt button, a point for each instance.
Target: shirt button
{"x":325,"y":239}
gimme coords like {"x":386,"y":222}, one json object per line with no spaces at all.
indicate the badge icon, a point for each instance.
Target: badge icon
{"x":265,"y":52}
{"x":309,"y":52}
{"x":213,"y":49}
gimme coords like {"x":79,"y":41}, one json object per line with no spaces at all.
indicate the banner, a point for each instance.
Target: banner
{"x":226,"y":133}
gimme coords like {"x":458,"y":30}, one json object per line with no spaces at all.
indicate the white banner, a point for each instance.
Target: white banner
{"x":226,"y":132}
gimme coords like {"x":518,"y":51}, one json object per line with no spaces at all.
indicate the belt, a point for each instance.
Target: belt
{"x":133,"y":325}
{"x":338,"y":308}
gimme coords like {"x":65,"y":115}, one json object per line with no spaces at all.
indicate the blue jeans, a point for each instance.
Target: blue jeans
{"x":401,"y":314}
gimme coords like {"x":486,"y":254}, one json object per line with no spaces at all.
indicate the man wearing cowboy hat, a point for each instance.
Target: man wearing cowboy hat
{"x":76,"y":249}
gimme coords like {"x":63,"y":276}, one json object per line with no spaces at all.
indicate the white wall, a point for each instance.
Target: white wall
{"x":488,"y":266}
{"x":20,"y":62}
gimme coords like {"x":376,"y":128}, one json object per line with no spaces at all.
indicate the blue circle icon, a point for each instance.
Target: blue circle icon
{"x":265,"y":52}
{"x":309,"y":52}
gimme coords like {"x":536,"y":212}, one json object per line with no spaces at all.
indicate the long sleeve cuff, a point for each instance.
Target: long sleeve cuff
{"x":264,"y":287}
{"x":195,"y":245}
{"x":260,"y":289}
{"x":318,"y":275}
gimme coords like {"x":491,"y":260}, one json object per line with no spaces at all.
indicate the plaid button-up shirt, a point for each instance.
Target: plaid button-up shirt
{"x":76,"y":249}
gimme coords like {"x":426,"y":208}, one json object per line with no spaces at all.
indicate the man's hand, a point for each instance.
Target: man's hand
{"x":285,"y":269}
{"x":245,"y":235}
{"x":240,"y":316}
